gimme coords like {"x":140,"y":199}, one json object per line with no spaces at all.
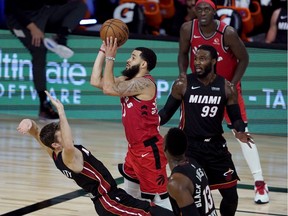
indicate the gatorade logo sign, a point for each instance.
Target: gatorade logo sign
{"x":132,"y":14}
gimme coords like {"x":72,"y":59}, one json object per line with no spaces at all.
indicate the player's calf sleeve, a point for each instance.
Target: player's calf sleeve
{"x":229,"y":202}
{"x":252,"y":158}
{"x":132,"y":188}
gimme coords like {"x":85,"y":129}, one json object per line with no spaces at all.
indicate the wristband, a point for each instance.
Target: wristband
{"x":110,"y":58}
{"x":101,"y":50}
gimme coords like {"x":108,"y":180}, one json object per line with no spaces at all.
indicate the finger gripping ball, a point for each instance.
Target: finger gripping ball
{"x":115,"y":28}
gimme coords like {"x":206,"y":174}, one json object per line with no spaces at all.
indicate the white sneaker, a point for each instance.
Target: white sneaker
{"x":60,"y":50}
{"x":261,"y":192}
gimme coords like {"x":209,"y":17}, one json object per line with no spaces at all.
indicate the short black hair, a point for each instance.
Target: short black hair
{"x":47,"y":134}
{"x":175,"y":142}
{"x":211,"y":49}
{"x":149,"y":56}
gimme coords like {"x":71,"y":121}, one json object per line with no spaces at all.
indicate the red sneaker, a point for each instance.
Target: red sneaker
{"x":261,"y":192}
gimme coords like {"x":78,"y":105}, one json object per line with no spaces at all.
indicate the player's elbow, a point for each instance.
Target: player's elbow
{"x":94,"y":83}
{"x":244,"y":60}
{"x":269,"y":39}
{"x":107,"y":90}
{"x":98,"y":85}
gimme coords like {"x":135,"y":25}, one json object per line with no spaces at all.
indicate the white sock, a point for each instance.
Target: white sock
{"x":252,"y":158}
{"x":165,"y":203}
{"x":132,"y":188}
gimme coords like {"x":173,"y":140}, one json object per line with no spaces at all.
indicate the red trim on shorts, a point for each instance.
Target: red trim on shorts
{"x":224,"y":185}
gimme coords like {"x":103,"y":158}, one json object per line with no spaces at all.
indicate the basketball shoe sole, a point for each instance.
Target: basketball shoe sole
{"x":60,"y":50}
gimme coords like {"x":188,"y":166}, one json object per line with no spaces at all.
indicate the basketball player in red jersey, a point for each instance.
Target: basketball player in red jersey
{"x":144,"y":169}
{"x":232,"y":62}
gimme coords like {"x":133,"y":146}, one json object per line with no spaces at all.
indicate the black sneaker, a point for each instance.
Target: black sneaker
{"x":47,"y":113}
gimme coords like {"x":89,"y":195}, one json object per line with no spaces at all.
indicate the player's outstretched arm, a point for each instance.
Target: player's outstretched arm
{"x":234,"y":114}
{"x":28,"y":126}
{"x":66,"y":133}
{"x":96,"y":78}
{"x":108,"y":77}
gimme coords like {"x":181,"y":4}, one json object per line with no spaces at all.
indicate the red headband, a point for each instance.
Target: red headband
{"x":206,"y":1}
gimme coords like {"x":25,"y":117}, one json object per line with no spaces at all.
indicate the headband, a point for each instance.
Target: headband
{"x":211,"y":3}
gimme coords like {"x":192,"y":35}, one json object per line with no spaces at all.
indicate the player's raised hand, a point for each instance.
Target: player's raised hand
{"x":179,"y":86}
{"x":182,"y":79}
{"x":58,"y":105}
{"x":25,"y":126}
{"x":111,"y":47}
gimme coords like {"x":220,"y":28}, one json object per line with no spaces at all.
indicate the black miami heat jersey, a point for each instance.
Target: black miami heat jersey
{"x":202,"y":195}
{"x":94,"y":178}
{"x":202,"y":107}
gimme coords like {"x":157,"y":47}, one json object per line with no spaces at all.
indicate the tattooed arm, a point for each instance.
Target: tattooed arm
{"x":141,"y":87}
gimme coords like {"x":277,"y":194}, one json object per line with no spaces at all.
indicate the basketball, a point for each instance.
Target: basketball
{"x":115,"y":28}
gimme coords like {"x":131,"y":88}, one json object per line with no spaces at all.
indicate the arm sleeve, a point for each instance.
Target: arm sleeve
{"x":190,"y":210}
{"x":169,"y":109}
{"x":235,"y":117}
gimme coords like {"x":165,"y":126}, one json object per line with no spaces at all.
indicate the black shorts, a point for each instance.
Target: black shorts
{"x":213,"y":155}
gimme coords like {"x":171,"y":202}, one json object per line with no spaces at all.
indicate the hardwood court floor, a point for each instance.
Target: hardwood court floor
{"x":30,"y":183}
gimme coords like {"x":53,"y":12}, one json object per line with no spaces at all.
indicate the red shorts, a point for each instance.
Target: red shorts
{"x":145,"y":163}
{"x":241,"y":105}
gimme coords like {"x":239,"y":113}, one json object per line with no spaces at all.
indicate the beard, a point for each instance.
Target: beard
{"x":131,"y":72}
{"x":207,"y":70}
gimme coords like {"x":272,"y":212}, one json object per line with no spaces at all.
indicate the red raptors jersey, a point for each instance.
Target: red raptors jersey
{"x":226,"y":62}
{"x":140,"y":118}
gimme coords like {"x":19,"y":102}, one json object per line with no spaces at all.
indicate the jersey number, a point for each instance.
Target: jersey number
{"x":208,"y":199}
{"x":211,"y":111}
